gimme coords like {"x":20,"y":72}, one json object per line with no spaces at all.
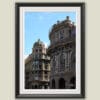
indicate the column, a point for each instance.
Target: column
{"x":42,"y":86}
{"x":67,"y":60}
{"x":56,"y":67}
{"x":58,"y":62}
{"x":70,"y":60}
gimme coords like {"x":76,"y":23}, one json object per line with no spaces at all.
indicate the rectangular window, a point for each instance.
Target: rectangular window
{"x":61,"y":35}
{"x":46,"y":72}
{"x":40,"y":50}
{"x":36,"y":50}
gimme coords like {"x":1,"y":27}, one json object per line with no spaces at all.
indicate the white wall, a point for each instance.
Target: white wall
{"x":7,"y":64}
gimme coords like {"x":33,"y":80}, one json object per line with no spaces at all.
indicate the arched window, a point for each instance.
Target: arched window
{"x":53,"y":64}
{"x":73,"y":59}
{"x":61,"y":83}
{"x":73,"y":31}
{"x":53,"y":84}
{"x":61,"y":35}
{"x":62,"y":62}
{"x":35,"y":86}
{"x":73,"y":83}
{"x":54,"y":61}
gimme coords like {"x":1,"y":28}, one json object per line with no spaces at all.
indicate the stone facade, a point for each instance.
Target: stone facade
{"x":37,"y":67}
{"x":28,"y":71}
{"x":62,"y":54}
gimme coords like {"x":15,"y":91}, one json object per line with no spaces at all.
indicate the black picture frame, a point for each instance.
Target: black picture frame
{"x":17,"y":51}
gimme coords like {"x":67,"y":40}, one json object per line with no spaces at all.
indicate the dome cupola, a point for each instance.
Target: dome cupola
{"x":39,"y":43}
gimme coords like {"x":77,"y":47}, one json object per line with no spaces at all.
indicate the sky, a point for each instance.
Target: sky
{"x":38,"y":25}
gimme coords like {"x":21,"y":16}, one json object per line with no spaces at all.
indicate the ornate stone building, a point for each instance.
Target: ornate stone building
{"x":37,"y":67}
{"x":28,"y":71}
{"x":62,"y":54}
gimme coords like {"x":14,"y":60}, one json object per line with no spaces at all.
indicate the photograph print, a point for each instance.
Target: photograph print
{"x":49,"y":50}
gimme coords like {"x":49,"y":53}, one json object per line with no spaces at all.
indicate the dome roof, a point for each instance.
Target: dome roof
{"x":38,"y":43}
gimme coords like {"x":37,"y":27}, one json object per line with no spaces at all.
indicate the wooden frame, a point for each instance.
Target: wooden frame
{"x":17,"y":50}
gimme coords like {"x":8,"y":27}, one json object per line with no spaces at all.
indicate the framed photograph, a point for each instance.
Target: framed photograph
{"x":50,"y":50}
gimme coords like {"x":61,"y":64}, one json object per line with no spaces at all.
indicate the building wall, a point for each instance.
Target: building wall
{"x":28,"y":69}
{"x":37,"y":67}
{"x":62,"y":53}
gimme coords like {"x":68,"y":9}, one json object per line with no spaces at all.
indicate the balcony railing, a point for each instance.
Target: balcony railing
{"x":41,"y":56}
{"x":41,"y":78}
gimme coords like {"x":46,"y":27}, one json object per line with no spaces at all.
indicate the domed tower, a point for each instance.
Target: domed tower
{"x":62,"y":54}
{"x":38,"y":47}
{"x":40,"y":66}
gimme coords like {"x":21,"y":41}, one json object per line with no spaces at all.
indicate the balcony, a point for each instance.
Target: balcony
{"x":46,"y":68}
{"x":46,"y":78}
{"x":45,"y":57}
{"x":42,"y":56}
{"x":41,"y":78}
